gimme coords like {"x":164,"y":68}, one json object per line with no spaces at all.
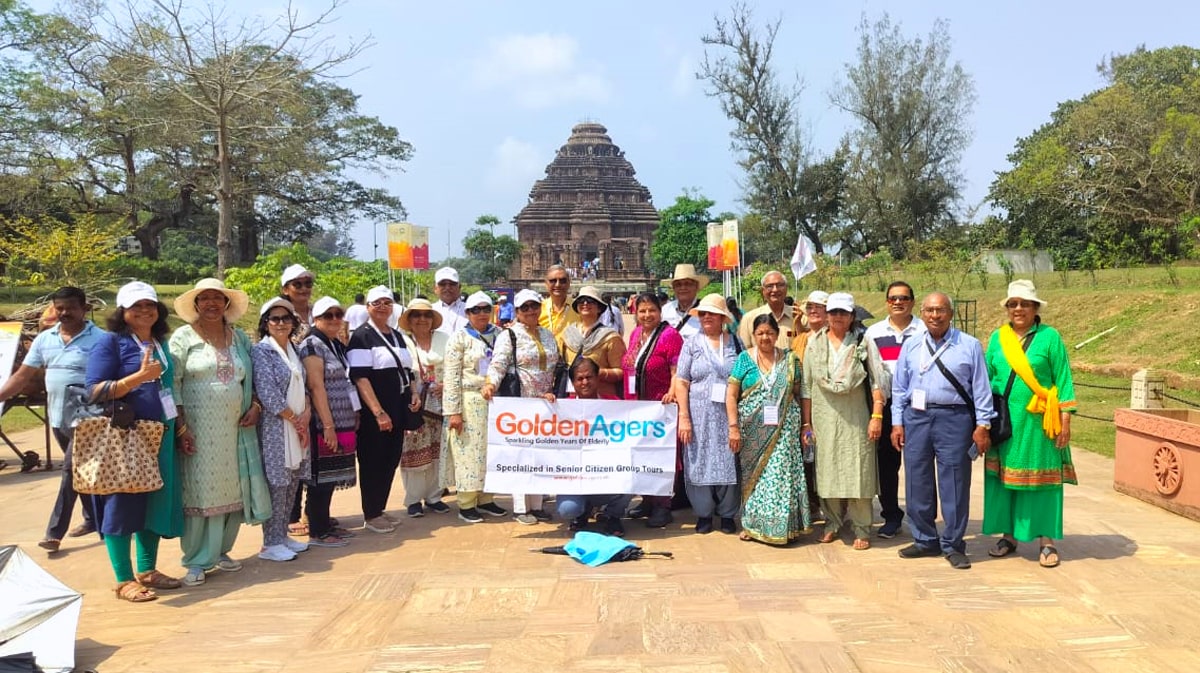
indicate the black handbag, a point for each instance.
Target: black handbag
{"x":78,"y":405}
{"x":510,"y":385}
{"x":1001,"y":429}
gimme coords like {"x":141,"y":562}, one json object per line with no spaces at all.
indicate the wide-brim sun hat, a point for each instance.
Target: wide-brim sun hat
{"x":686,"y":272}
{"x":1022,"y":289}
{"x":237,"y":304}
{"x":526,"y":296}
{"x":418,"y":304}
{"x":712,"y":303}
{"x":591,"y":293}
{"x":840,"y":301}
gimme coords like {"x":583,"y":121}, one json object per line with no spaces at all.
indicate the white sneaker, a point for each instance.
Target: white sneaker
{"x":276,"y":552}
{"x":295,"y":545}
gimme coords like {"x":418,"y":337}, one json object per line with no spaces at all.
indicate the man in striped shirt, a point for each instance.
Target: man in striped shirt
{"x":889,"y":335}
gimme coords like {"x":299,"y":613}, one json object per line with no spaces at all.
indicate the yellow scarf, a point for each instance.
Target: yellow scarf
{"x":1044,"y":401}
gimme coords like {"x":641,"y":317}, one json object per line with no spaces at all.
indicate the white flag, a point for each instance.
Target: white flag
{"x":802,"y":259}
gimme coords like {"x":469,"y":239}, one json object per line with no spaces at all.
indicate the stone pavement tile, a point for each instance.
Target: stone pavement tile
{"x":1024,"y":658}
{"x":667,"y":633}
{"x":427,"y":659}
{"x":803,"y":626}
{"x":754,"y":656}
{"x":873,"y":658}
{"x":805,"y":657}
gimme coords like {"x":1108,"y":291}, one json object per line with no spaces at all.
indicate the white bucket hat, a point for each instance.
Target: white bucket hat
{"x":1022,"y":289}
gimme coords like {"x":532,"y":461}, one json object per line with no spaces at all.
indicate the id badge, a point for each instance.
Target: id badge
{"x":770,"y":414}
{"x":631,"y":385}
{"x":355,"y":403}
{"x":168,"y":404}
{"x":482,"y":368}
{"x":570,"y":387}
{"x":718,"y":392}
{"x":918,"y":400}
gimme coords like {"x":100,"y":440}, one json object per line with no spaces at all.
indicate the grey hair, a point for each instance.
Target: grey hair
{"x":948,"y":298}
{"x":763,"y":281}
{"x":557,"y":267}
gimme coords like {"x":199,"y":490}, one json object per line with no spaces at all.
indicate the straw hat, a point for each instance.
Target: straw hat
{"x":686,"y":272}
{"x":1022,"y":289}
{"x":591,"y":293}
{"x":418,"y":304}
{"x":712,"y":303}
{"x":235,"y":306}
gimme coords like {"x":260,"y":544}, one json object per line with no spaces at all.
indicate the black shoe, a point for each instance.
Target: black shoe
{"x":438,"y":507}
{"x":704,"y":525}
{"x":915,"y":550}
{"x":659,"y":518}
{"x":613,"y":526}
{"x":492,"y":509}
{"x":470,"y":515}
{"x":728,"y":526}
{"x":541,"y":515}
{"x":415,"y":510}
{"x":578,"y":523}
{"x":640,"y":512}
{"x":958,"y":560}
{"x":889,"y":530}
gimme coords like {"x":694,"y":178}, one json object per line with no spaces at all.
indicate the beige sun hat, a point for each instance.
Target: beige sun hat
{"x":235,"y":308}
{"x":1022,"y":289}
{"x":591,"y":293}
{"x":686,"y":272}
{"x":712,"y":303}
{"x":418,"y":304}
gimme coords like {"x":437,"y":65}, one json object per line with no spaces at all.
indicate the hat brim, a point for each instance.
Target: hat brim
{"x":185,"y":304}
{"x":1004,"y":302}
{"x":724,"y":314}
{"x":403,"y":322}
{"x":701,"y":279}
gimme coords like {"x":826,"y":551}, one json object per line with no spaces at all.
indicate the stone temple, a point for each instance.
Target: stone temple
{"x":589,"y":205}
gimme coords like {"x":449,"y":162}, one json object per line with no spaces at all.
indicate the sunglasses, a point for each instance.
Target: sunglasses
{"x":382,"y":302}
{"x":1020,"y":304}
{"x":301,"y":283}
{"x":279,"y":319}
{"x":529,"y":306}
{"x":476,"y":310}
{"x":420,"y":315}
{"x":899,"y":298}
{"x":587,"y":300}
{"x":333,"y":315}
{"x":558,"y":281}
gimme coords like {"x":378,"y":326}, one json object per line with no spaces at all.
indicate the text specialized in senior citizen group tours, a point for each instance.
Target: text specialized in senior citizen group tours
{"x":580,"y":447}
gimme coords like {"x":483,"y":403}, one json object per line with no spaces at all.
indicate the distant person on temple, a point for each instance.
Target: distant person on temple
{"x":576,"y":509}
{"x":62,"y":353}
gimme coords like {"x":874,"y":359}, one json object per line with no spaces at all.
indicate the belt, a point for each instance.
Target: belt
{"x":947,"y":406}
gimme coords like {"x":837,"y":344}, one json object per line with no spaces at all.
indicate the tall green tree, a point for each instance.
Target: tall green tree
{"x":491,"y":255}
{"x":784,"y":185}
{"x":681,"y":236}
{"x":911,"y":104}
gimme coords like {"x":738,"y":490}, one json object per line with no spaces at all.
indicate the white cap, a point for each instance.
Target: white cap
{"x":293,"y":272}
{"x":842,"y":301}
{"x":817,"y":297}
{"x":277,"y":301}
{"x":132,"y":293}
{"x":445,"y":273}
{"x":379,"y":292}
{"x":526,"y":296}
{"x":324,"y":304}
{"x":480,"y":298}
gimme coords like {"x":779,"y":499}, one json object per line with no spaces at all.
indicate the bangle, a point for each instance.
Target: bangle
{"x":879,"y":416}
{"x":379,"y":413}
{"x":806,"y":425}
{"x":180,"y":429}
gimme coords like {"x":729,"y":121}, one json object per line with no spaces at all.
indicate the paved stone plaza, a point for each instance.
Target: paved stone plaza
{"x":442,"y":595}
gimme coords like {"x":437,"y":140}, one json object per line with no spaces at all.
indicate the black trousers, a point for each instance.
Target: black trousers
{"x":378,"y":457}
{"x":64,"y":504}
{"x":317,"y":508}
{"x":888,"y":460}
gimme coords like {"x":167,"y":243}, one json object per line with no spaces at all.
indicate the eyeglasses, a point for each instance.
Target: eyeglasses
{"x":899,"y":298}
{"x":307,"y":282}
{"x":558,"y":281}
{"x":774,"y":286}
{"x":935,"y":310}
{"x":333,"y":315}
{"x":382,"y":302}
{"x":279,"y":319}
{"x":442,"y":283}
{"x":587,"y":300}
{"x":476,"y":310}
{"x":420,"y":315}
{"x":838,"y":313}
{"x":1020,"y":304}
{"x":529,"y":306}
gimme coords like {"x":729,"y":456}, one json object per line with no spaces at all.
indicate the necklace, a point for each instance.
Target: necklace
{"x":758,"y":360}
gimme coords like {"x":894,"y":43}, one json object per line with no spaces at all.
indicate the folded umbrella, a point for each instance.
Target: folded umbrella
{"x":594,"y":549}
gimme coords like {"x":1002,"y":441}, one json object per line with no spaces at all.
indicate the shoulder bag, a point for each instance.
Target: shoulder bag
{"x":510,"y":385}
{"x":1001,"y":429}
{"x":111,"y":452}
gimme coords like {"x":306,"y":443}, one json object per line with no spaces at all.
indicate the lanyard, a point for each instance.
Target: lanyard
{"x":162,"y":356}
{"x":394,"y":350}
{"x":927,"y":362}
{"x":718,"y":356}
{"x":488,"y":344}
{"x":769,"y":377}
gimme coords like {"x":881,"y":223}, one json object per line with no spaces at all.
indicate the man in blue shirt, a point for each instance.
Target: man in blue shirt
{"x":62,"y":352}
{"x":506,"y":313}
{"x":942,"y":406}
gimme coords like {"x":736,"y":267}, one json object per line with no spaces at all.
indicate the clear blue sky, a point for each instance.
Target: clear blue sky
{"x":487,"y":91}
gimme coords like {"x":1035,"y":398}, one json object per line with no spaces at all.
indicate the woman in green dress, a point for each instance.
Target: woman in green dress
{"x":1024,"y":475}
{"x":764,"y":430}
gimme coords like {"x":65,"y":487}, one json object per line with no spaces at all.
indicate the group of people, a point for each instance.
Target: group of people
{"x":794,"y":416}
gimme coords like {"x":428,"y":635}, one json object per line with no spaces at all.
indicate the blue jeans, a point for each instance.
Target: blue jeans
{"x":574,"y":506}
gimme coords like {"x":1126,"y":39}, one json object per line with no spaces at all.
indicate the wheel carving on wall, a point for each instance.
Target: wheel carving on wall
{"x":1168,"y":469}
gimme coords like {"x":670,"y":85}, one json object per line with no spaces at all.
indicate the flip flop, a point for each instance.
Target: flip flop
{"x":1048,"y":557}
{"x":1003,"y":548}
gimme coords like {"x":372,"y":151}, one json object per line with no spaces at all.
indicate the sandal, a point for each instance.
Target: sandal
{"x":827,"y":538}
{"x":744,"y":536}
{"x":1003,"y":548}
{"x":298,"y":529}
{"x":156,"y":580}
{"x":861,"y":544}
{"x":1048,"y":557}
{"x":135,"y":593}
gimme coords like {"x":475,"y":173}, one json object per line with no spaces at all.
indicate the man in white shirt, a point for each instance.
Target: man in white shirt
{"x":686,"y":283}
{"x":889,"y":336}
{"x":356,"y":315}
{"x":450,"y":303}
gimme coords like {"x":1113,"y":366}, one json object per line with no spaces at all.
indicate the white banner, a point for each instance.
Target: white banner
{"x":580,"y":447}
